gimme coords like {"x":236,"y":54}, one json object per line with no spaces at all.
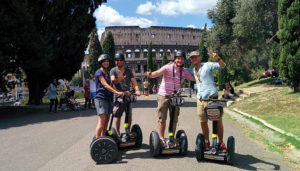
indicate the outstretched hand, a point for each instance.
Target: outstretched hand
{"x":138,"y":93}
{"x":121,"y":77}
{"x":215,"y":56}
{"x":149,"y":73}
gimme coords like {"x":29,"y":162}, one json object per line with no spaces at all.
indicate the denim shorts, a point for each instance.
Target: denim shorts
{"x":92,"y":95}
{"x":103,"y":106}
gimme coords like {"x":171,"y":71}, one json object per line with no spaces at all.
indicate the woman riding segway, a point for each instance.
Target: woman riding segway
{"x":103,"y":148}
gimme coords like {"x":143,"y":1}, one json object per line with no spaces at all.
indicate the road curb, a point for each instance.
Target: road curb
{"x":267,"y":124}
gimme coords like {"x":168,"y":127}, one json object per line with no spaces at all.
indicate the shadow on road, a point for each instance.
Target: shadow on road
{"x":146,"y":154}
{"x":246,"y":162}
{"x":145,"y":104}
{"x":189,"y":104}
{"x":153,"y":104}
{"x":42,"y":116}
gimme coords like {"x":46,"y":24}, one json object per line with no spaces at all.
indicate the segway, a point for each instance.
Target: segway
{"x":174,"y":145}
{"x":214,"y":112}
{"x":104,"y":149}
{"x":134,"y":137}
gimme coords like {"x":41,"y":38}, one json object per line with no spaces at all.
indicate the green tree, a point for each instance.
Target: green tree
{"x":77,"y":81}
{"x":95,"y":50}
{"x":164,"y":60}
{"x":108,"y":46}
{"x":185,"y":83}
{"x":150,"y":65}
{"x":221,"y":34}
{"x":241,"y":35}
{"x":202,"y":47}
{"x":289,"y":35}
{"x":51,"y":41}
{"x":275,"y":55}
{"x":251,"y":32}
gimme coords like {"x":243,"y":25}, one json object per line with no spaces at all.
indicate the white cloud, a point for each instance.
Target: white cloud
{"x":107,"y":16}
{"x":145,"y":9}
{"x":177,"y":7}
{"x":191,"y":26}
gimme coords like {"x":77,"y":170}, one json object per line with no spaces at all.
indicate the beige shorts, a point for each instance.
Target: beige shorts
{"x":200,"y":111}
{"x":163,"y":107}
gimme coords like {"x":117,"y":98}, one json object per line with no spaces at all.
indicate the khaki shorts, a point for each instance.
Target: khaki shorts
{"x":200,"y":111}
{"x":163,"y":107}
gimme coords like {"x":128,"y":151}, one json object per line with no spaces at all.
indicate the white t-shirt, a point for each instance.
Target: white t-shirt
{"x":92,"y":86}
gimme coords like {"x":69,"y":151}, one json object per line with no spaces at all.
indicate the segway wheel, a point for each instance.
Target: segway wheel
{"x":104,"y":150}
{"x":230,"y":150}
{"x":199,"y":149}
{"x":154,"y":144}
{"x":183,"y":141}
{"x":94,"y":137}
{"x":139,"y":135}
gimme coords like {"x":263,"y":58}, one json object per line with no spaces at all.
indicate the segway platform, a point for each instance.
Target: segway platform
{"x":214,"y":112}
{"x":214,"y":156}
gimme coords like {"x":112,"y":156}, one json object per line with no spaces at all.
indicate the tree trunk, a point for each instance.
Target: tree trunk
{"x":296,"y":89}
{"x":35,"y":91}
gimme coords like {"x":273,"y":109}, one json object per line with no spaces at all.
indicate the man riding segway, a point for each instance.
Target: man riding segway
{"x":121,"y":76}
{"x":173,"y":75}
{"x":207,"y":92}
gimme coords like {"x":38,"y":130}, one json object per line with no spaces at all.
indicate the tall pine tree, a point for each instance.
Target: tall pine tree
{"x":202,"y":47}
{"x":164,"y":60}
{"x":150,"y":66}
{"x":289,"y":35}
{"x":108,"y":46}
{"x":95,"y":50}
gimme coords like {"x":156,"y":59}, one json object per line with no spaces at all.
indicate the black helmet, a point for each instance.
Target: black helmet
{"x":179,"y":53}
{"x":102,"y":58}
{"x":119,"y":56}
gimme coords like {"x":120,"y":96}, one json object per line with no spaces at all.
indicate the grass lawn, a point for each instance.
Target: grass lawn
{"x":258,"y":82}
{"x":279,"y":107}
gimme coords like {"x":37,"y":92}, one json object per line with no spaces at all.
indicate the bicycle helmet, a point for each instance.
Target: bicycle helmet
{"x":180,"y":53}
{"x":119,"y":56}
{"x":102,"y":58}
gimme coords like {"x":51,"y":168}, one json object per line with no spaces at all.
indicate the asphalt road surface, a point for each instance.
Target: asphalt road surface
{"x":61,"y":141}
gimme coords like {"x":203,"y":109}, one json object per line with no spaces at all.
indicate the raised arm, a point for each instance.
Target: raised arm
{"x":217,"y":58}
{"x":116,"y":80}
{"x":155,"y":74}
{"x":108,"y":87}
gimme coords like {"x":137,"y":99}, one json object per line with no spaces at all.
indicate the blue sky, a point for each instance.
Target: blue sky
{"x":145,"y":13}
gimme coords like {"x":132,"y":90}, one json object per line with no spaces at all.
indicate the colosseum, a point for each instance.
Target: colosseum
{"x":133,"y":42}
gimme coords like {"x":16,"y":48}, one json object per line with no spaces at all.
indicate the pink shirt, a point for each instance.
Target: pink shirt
{"x":167,"y":84}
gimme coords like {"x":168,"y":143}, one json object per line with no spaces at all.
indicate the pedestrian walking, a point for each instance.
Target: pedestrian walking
{"x":52,"y":95}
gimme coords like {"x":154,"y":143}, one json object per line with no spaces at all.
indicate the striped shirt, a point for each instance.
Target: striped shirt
{"x":167,"y":84}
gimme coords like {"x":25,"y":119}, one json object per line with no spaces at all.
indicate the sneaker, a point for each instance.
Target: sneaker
{"x":223,"y":148}
{"x":162,"y":143}
{"x":207,"y":146}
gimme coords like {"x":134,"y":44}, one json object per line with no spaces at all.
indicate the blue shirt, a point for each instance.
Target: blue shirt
{"x":205,"y":79}
{"x":101,"y":91}
{"x":52,"y":91}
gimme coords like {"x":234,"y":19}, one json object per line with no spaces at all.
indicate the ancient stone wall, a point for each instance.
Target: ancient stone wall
{"x":133,"y":42}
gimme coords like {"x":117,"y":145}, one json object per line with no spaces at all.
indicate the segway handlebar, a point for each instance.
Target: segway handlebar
{"x":214,"y":100}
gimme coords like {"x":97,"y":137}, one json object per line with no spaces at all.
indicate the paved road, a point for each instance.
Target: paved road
{"x":61,"y":142}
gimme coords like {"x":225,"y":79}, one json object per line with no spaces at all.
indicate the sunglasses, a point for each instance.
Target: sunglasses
{"x":119,"y":60}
